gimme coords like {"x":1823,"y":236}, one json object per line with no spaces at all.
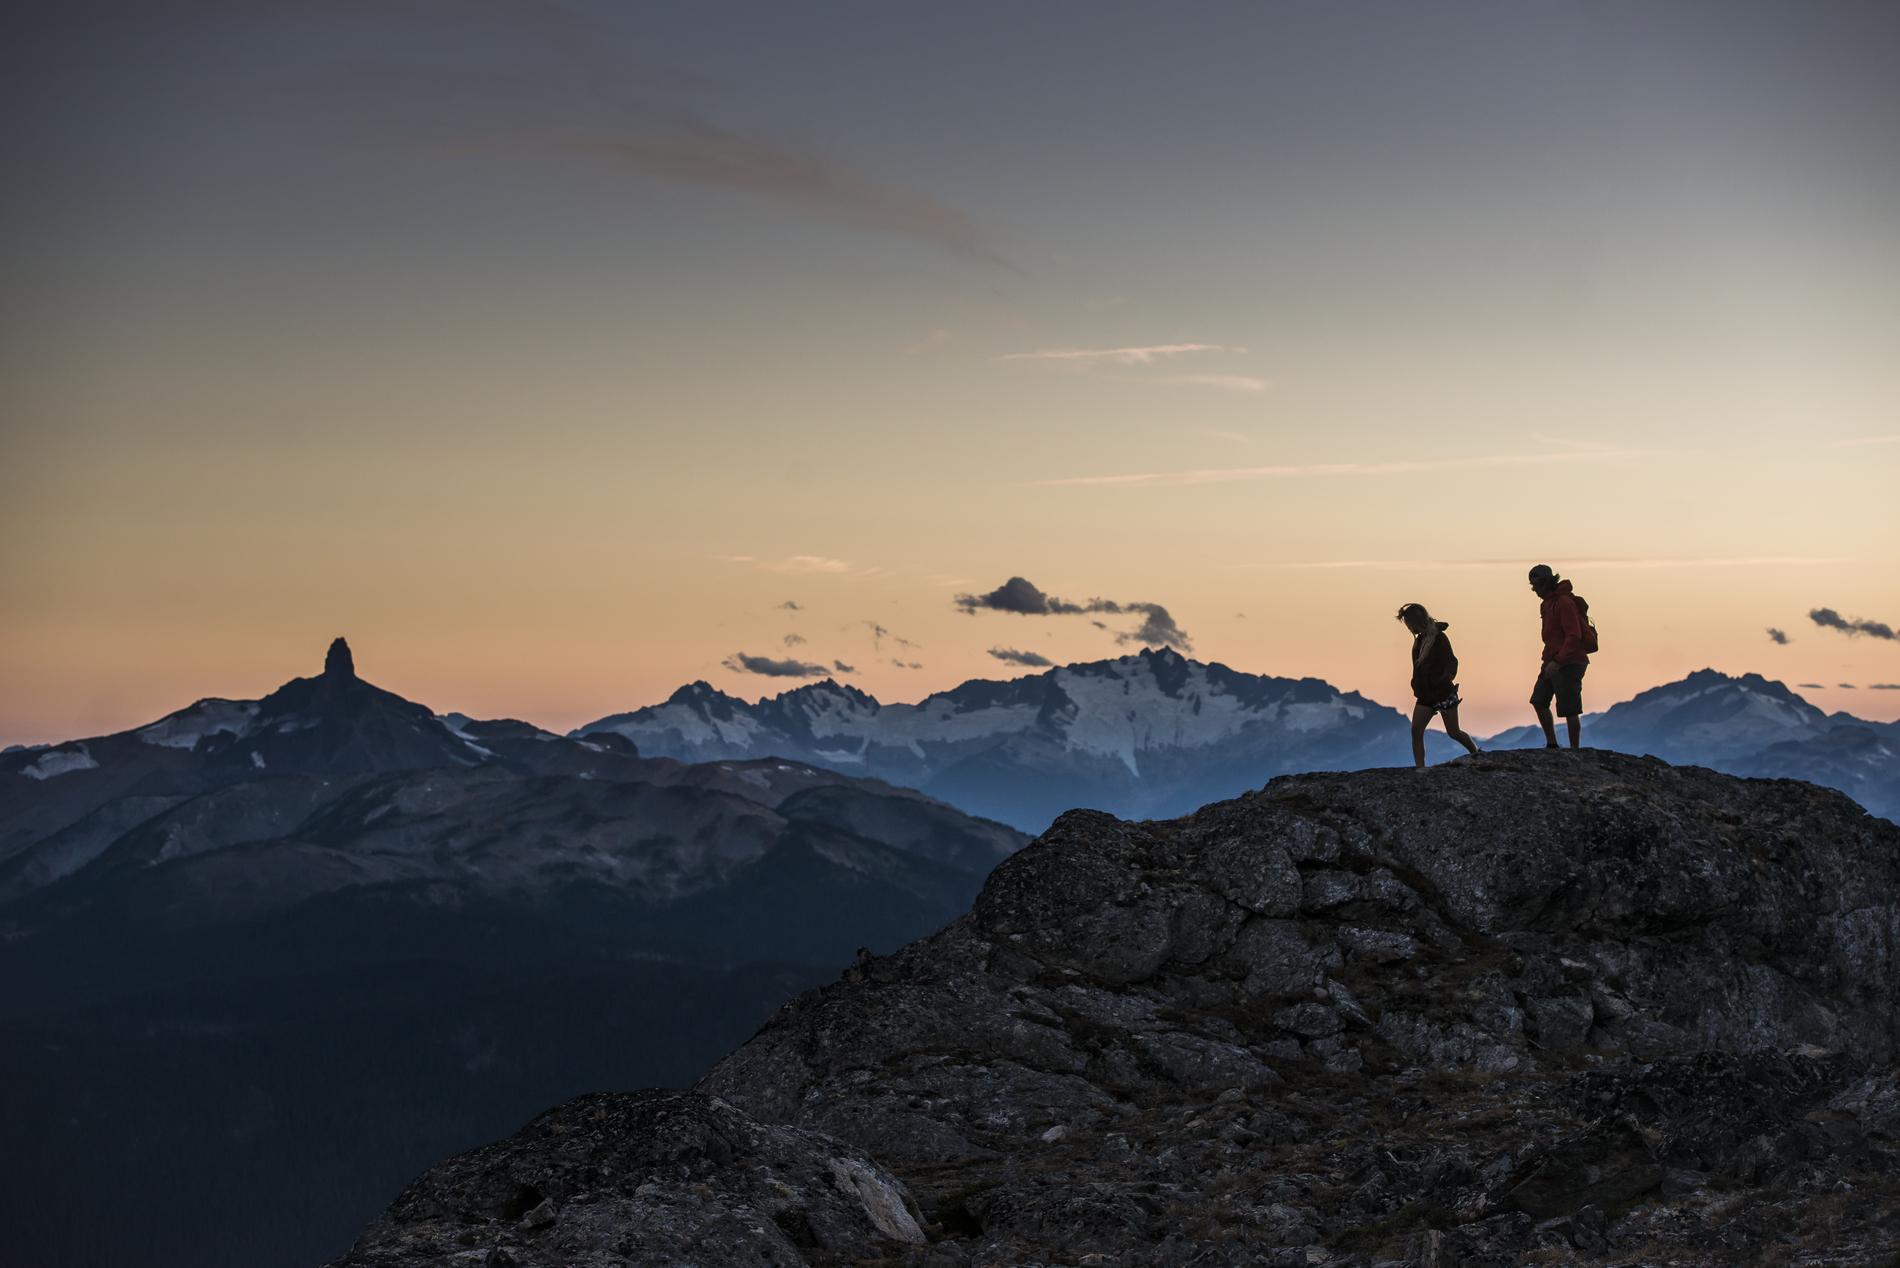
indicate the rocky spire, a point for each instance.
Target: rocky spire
{"x":339,"y":663}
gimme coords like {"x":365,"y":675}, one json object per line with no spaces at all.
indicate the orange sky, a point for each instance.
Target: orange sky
{"x":475,"y":353}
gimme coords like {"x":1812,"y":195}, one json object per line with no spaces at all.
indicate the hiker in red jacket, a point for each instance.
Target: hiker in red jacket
{"x":1565,"y":659}
{"x":1434,"y":675}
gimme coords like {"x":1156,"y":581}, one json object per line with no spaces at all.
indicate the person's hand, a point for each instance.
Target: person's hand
{"x":1549,"y":667}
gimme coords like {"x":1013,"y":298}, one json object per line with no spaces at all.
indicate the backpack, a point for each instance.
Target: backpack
{"x":1589,"y":626}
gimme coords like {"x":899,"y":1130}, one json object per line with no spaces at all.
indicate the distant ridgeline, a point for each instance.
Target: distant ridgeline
{"x":1158,"y":734}
{"x":262,"y":960}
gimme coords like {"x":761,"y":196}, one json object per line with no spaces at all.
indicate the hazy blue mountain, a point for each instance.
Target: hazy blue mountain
{"x":1145,"y":735}
{"x":1158,"y":734}
{"x":1747,"y":725}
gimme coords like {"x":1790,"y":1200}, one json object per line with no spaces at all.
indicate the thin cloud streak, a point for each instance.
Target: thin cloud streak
{"x":796,"y":564}
{"x":1146,"y":354}
{"x":1419,"y":565}
{"x":693,"y":152}
{"x":1229,"y":382}
{"x":1295,"y":471}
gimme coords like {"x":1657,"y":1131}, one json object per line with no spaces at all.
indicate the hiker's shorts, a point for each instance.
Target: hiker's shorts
{"x":1566,"y":684}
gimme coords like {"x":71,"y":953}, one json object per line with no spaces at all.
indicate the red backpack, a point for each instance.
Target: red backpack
{"x":1589,"y":626}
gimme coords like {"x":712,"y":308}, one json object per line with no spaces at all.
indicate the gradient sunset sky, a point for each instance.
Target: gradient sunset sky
{"x":561,"y":353}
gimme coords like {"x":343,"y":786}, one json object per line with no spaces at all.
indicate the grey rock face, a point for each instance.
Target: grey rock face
{"x":1474,"y":938}
{"x":647,"y":1178}
{"x":1553,"y":1008}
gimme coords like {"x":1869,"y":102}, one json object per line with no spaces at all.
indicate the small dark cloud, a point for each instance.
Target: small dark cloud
{"x":1778,"y":637}
{"x":1023,"y":598}
{"x":1018,"y":595}
{"x":1812,"y":686}
{"x":1829,"y":619}
{"x":906,"y":664}
{"x":1100,"y":625}
{"x":740,"y":663}
{"x":793,"y":640}
{"x":1848,"y":686}
{"x":1010,"y":656}
{"x":1156,"y":627}
{"x":791,"y":605}
{"x":1883,"y":686}
{"x":879,"y":634}
{"x":843,"y":668}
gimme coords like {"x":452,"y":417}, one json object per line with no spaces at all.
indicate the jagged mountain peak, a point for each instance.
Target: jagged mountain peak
{"x":338,"y":663}
{"x":828,"y":687}
{"x":698,"y":689}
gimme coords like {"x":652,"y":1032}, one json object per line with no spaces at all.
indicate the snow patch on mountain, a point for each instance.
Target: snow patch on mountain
{"x":211,"y":716}
{"x":60,"y":761}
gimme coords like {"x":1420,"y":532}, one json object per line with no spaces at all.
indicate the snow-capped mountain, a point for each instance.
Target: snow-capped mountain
{"x":503,"y":804}
{"x":304,"y":944}
{"x":1746,"y":725}
{"x":1142,"y":735}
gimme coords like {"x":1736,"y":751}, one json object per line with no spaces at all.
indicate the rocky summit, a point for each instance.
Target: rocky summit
{"x":1527,"y":1008}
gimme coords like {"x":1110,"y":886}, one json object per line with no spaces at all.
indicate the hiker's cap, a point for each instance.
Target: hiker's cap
{"x":1541,"y":574}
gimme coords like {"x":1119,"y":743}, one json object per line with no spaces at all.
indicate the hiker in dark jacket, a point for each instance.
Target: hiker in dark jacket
{"x":1565,"y":656}
{"x":1434,"y":675}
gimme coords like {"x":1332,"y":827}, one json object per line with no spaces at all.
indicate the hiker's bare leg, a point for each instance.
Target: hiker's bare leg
{"x":1549,"y":725}
{"x":1575,"y":723}
{"x":1451,"y":729}
{"x":1421,"y":718}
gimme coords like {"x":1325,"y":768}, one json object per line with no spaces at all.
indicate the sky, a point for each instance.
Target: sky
{"x":561,"y":353}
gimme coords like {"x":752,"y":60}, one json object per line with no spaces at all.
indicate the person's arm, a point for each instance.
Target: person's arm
{"x":1572,"y":627}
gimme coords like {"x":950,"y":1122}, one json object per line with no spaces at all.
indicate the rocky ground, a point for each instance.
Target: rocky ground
{"x":1532,"y":1008}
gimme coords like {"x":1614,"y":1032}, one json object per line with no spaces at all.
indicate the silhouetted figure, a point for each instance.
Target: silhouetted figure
{"x":1566,"y":656}
{"x":1434,"y":674}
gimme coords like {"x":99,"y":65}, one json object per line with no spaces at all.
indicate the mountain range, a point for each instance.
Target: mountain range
{"x":1141,"y":735}
{"x":261,"y":959}
{"x":1158,"y":734}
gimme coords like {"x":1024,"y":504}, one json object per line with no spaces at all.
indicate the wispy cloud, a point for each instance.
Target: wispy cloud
{"x":693,"y":151}
{"x":1011,"y":656}
{"x":1297,"y":471}
{"x":1439,"y":565}
{"x":796,"y":564}
{"x":1145,"y":354}
{"x":879,"y":634}
{"x":1778,"y":637}
{"x":1228,"y":382}
{"x":1829,"y":619}
{"x":772,"y":667}
{"x":793,"y":640}
{"x":1858,"y":442}
{"x":1883,"y":686}
{"x":843,"y":668}
{"x":792,"y":605}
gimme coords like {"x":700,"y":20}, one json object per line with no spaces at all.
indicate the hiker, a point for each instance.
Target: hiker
{"x":1434,"y":668}
{"x":1567,"y":646}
